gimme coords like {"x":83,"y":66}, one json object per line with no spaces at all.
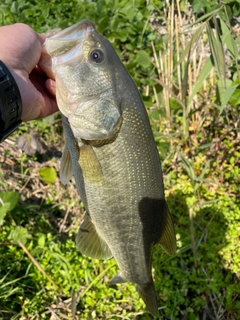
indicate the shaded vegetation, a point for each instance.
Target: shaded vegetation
{"x":185,"y":61}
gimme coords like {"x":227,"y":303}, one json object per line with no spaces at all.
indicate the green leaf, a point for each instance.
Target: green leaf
{"x":208,"y":16}
{"x":217,"y":51}
{"x":3,"y":211}
{"x":14,"y":7}
{"x":235,"y":98}
{"x":227,"y":38}
{"x":19,"y":234}
{"x":143,"y":59}
{"x":197,"y":5}
{"x":188,"y":167}
{"x":41,"y":240}
{"x":147,"y":101}
{"x":226,"y":96}
{"x":202,"y":76}
{"x":48,"y":175}
{"x":231,"y":44}
{"x":205,"y":146}
{"x":10,"y":197}
{"x":154,"y":115}
{"x":193,"y":41}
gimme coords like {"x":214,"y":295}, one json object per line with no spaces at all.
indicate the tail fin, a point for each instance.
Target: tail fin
{"x":149,"y":296}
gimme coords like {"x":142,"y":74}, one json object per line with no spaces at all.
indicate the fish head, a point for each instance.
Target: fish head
{"x":84,"y":65}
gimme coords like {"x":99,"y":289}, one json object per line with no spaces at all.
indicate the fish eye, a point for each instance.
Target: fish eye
{"x":96,"y":56}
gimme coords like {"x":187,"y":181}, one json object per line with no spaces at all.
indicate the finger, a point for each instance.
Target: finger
{"x":51,"y":86}
{"x":50,"y":33}
{"x":42,"y":37}
{"x":45,"y":63}
{"x":48,"y":105}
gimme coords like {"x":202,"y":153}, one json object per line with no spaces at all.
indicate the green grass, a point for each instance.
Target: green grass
{"x":42,"y":275}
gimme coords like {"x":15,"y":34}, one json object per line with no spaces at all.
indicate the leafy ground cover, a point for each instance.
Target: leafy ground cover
{"x":185,"y":61}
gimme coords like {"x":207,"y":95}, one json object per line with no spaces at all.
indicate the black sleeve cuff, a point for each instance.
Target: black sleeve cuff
{"x":10,"y":103}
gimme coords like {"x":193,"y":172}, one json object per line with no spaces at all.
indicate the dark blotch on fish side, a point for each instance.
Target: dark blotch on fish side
{"x":151,"y":221}
{"x":154,"y":226}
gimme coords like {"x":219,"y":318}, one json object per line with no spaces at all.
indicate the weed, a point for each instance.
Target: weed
{"x":187,"y":70}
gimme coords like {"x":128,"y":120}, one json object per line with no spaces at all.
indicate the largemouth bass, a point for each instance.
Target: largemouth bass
{"x":112,"y":154}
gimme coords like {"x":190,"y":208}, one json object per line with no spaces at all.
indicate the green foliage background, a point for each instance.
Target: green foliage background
{"x":201,"y":167}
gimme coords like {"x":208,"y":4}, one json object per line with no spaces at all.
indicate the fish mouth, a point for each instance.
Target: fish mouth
{"x":66,"y":44}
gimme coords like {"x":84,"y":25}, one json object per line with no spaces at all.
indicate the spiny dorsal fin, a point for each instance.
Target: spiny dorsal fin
{"x":168,"y":237}
{"x":89,"y":164}
{"x":90,"y":243}
{"x":66,"y":167}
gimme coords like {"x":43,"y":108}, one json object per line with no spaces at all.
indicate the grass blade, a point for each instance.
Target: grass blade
{"x":217,"y":51}
{"x":231,"y":44}
{"x":190,"y":45}
{"x":202,"y":76}
{"x":226,"y":96}
{"x":188,"y":167}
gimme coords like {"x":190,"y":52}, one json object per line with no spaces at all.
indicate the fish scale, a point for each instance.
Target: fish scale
{"x":112,"y":154}
{"x":128,"y":180}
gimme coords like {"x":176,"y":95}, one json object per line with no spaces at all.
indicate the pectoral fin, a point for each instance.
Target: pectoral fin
{"x":66,"y":167}
{"x":90,"y":243}
{"x":90,"y":165}
{"x":168,"y":238}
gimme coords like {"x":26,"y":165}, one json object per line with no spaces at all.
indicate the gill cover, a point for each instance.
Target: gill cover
{"x":84,"y":81}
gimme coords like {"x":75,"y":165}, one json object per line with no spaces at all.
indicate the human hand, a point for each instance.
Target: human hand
{"x":21,"y":51}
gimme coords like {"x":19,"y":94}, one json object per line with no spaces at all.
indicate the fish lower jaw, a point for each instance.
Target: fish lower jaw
{"x":88,"y":134}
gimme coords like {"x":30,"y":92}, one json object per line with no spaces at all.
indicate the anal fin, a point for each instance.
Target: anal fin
{"x":90,"y":243}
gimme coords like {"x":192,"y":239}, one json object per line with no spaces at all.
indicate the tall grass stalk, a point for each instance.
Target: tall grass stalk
{"x":189,"y":64}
